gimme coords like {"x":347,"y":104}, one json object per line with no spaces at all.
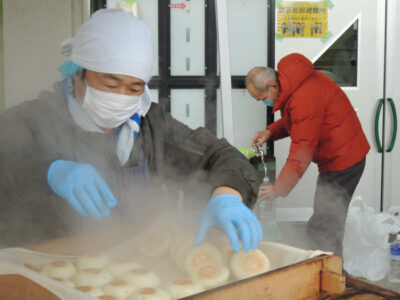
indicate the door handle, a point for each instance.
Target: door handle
{"x":377,"y":115}
{"x":394,"y":133}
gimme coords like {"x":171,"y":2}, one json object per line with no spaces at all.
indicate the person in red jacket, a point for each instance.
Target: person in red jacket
{"x":324,"y":128}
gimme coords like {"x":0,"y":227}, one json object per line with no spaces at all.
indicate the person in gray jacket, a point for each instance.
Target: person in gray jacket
{"x":72,"y":150}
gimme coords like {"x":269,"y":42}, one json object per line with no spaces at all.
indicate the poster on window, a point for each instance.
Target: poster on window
{"x":302,"y":19}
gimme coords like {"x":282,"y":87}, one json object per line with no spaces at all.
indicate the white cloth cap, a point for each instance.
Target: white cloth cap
{"x":112,"y":41}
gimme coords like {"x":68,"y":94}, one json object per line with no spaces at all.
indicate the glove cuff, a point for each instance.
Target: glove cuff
{"x":53,"y":165}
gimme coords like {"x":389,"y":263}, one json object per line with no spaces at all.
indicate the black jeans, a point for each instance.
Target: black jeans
{"x":325,"y":229}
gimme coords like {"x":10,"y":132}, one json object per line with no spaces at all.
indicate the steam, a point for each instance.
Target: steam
{"x":31,"y":215}
{"x":30,"y":212}
{"x":325,"y":229}
{"x":141,"y":204}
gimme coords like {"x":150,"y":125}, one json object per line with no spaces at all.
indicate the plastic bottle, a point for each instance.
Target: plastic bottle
{"x":266,"y":212}
{"x":394,"y":267}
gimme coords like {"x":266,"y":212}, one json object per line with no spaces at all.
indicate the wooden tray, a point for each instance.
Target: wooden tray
{"x":316,"y":278}
{"x":310,"y":279}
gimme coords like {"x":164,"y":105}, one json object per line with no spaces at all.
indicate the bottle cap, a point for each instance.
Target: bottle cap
{"x":395,"y":249}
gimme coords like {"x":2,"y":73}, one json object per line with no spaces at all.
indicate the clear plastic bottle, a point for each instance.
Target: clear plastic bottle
{"x":266,"y":212}
{"x":394,"y":268}
{"x":265,"y":209}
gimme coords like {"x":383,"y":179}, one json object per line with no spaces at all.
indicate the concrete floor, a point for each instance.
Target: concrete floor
{"x":294,"y":234}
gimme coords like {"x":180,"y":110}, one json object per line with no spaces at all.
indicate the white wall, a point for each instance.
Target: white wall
{"x":33,"y":31}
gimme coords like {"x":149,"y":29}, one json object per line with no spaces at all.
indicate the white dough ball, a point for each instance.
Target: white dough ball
{"x":92,"y":291}
{"x":118,"y":288}
{"x":155,"y":243}
{"x":119,"y":267}
{"x":205,"y":253}
{"x":92,"y":277}
{"x":183,"y":287}
{"x":224,"y":247}
{"x":211,"y":275}
{"x":168,"y":224}
{"x":67,"y":282}
{"x":141,"y":278}
{"x":182,"y":244}
{"x":59,"y":269}
{"x":151,"y":293}
{"x":92,"y":260}
{"x":246,"y":264}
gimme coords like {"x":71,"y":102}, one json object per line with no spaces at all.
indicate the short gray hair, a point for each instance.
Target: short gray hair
{"x":259,"y":77}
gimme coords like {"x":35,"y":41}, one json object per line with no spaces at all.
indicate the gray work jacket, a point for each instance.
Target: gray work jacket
{"x":37,"y":132}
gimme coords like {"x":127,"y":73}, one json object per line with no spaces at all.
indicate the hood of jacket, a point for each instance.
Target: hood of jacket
{"x":293,"y":70}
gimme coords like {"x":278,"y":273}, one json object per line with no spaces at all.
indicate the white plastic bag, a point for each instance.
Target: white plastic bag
{"x":365,"y":244}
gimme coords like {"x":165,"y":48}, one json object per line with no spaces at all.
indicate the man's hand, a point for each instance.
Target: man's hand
{"x":261,"y":137}
{"x":229,"y":213}
{"x":266,"y":192}
{"x":82,"y":187}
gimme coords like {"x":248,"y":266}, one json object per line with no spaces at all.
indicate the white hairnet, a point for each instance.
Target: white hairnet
{"x":112,"y":41}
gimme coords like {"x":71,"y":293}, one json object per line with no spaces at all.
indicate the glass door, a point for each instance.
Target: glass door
{"x":390,"y":147}
{"x":351,"y":53}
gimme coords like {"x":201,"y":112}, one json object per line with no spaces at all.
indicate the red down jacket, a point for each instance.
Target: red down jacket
{"x":320,"y":120}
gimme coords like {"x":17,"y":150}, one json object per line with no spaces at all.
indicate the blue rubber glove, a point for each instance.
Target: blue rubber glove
{"x":82,"y":187}
{"x":229,"y":213}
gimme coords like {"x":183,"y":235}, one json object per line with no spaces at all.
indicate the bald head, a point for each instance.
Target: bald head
{"x":259,"y":77}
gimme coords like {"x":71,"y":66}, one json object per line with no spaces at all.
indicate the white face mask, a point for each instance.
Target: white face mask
{"x":109,"y":110}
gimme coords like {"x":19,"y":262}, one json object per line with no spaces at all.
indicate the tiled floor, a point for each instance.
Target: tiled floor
{"x":294,"y":234}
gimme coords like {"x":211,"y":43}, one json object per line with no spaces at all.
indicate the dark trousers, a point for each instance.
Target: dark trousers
{"x":325,"y":229}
